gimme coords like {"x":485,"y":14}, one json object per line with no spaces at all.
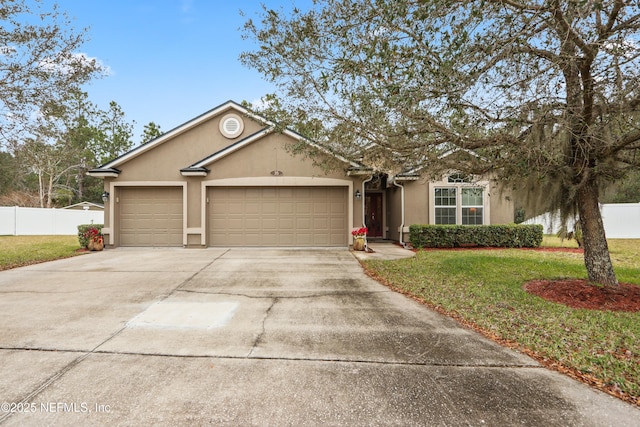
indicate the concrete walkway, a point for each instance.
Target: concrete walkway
{"x":384,"y":251}
{"x":257,"y":337}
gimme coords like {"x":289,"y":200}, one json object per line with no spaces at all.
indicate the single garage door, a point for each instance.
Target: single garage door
{"x":277,"y":216}
{"x":150,"y":216}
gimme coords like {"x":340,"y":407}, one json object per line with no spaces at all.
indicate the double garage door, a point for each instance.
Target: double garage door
{"x":277,"y":216}
{"x":237,"y":216}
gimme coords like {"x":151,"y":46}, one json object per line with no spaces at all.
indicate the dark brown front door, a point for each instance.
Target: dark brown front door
{"x":373,"y":214}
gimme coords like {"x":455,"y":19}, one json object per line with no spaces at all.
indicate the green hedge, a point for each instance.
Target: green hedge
{"x":496,"y":236}
{"x":82,"y":228}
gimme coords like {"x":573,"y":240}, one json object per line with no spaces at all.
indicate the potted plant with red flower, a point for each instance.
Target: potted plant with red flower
{"x":95,"y":241}
{"x":359,"y":236}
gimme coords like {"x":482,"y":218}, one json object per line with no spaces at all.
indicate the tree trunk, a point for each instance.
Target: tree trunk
{"x":596,"y":250}
{"x":41,"y":189}
{"x":80,"y":178}
{"x":50,"y":191}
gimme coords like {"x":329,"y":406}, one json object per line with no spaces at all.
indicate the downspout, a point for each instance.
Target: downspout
{"x":364,"y":215}
{"x":402,"y":211}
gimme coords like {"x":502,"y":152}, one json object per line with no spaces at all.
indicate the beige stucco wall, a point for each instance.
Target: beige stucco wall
{"x":502,"y":204}
{"x":393,"y":213}
{"x":261,"y":158}
{"x":419,"y":203}
{"x":164,"y":161}
{"x":416,"y":202}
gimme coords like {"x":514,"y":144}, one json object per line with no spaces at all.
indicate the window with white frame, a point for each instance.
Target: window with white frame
{"x":445,"y":203}
{"x":459,"y":202}
{"x":472,"y":204}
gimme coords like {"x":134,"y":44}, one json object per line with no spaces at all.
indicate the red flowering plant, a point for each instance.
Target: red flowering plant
{"x":93,"y":234}
{"x":359,"y":232}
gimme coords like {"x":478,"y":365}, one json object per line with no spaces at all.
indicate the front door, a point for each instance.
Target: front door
{"x":373,"y":214}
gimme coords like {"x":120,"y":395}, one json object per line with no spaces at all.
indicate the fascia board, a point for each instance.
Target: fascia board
{"x":104,"y":172}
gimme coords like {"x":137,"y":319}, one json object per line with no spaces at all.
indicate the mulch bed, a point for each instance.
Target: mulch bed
{"x":487,"y":248}
{"x":577,"y":293}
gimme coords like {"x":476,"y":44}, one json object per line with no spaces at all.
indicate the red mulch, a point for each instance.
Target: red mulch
{"x":577,"y":293}
{"x":484,"y":248}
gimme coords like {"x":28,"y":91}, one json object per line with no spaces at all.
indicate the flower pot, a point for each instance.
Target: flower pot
{"x":358,"y":244}
{"x":95,"y":244}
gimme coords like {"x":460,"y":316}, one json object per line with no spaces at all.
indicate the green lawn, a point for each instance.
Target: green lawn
{"x":16,"y":251}
{"x":483,"y":288}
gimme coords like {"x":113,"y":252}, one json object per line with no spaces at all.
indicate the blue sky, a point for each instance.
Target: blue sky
{"x":169,"y":60}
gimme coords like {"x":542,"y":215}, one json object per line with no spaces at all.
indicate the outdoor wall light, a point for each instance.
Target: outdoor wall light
{"x":357,"y":195}
{"x":105,"y":196}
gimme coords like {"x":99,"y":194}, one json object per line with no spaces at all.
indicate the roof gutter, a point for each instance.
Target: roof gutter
{"x":402,"y":211}
{"x":364,"y":215}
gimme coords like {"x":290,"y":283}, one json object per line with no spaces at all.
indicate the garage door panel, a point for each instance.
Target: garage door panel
{"x":338,"y":208}
{"x":302,"y":223}
{"x":287,"y":207}
{"x":321,"y":240}
{"x":320,"y":208}
{"x":286,"y":224}
{"x":337,"y":223}
{"x":251,"y":193}
{"x":304,"y":208}
{"x":252,"y":223}
{"x":150,"y":216}
{"x":322,"y":223}
{"x":269,"y":239}
{"x":278,"y":216}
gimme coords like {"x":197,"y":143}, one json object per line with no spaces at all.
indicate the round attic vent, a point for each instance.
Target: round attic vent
{"x":231,"y":126}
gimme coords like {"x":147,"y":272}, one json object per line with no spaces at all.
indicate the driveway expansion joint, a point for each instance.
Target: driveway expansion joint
{"x":282,"y":296}
{"x":292,"y":359}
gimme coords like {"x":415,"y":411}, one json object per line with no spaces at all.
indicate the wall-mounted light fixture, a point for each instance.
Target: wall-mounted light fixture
{"x":357,"y":195}
{"x":105,"y":196}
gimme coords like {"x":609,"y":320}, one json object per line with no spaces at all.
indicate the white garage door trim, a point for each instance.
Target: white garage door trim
{"x":283,"y":181}
{"x":112,"y":203}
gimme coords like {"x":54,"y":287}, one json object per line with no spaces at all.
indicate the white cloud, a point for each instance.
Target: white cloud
{"x":7,"y":50}
{"x":627,"y":48}
{"x":66,"y":65}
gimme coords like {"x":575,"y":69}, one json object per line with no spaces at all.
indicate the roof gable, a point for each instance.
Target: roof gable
{"x":111,"y":168}
{"x":141,"y":149}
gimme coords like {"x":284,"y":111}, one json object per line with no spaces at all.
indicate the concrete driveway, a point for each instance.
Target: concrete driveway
{"x":257,"y":337}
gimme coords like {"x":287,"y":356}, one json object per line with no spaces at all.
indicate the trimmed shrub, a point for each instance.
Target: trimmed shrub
{"x":495,"y":236}
{"x":82,"y":230}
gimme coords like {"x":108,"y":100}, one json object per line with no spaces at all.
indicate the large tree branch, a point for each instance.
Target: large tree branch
{"x":605,"y":31}
{"x":541,"y":53}
{"x":520,"y":5}
{"x":566,"y":31}
{"x":630,"y":141}
{"x":629,"y":24}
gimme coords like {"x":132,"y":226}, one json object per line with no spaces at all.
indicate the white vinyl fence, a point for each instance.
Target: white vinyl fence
{"x":18,"y":221}
{"x":621,"y":221}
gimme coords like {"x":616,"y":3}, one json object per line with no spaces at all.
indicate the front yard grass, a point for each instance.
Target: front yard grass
{"x":18,"y":251}
{"x":483,"y":289}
